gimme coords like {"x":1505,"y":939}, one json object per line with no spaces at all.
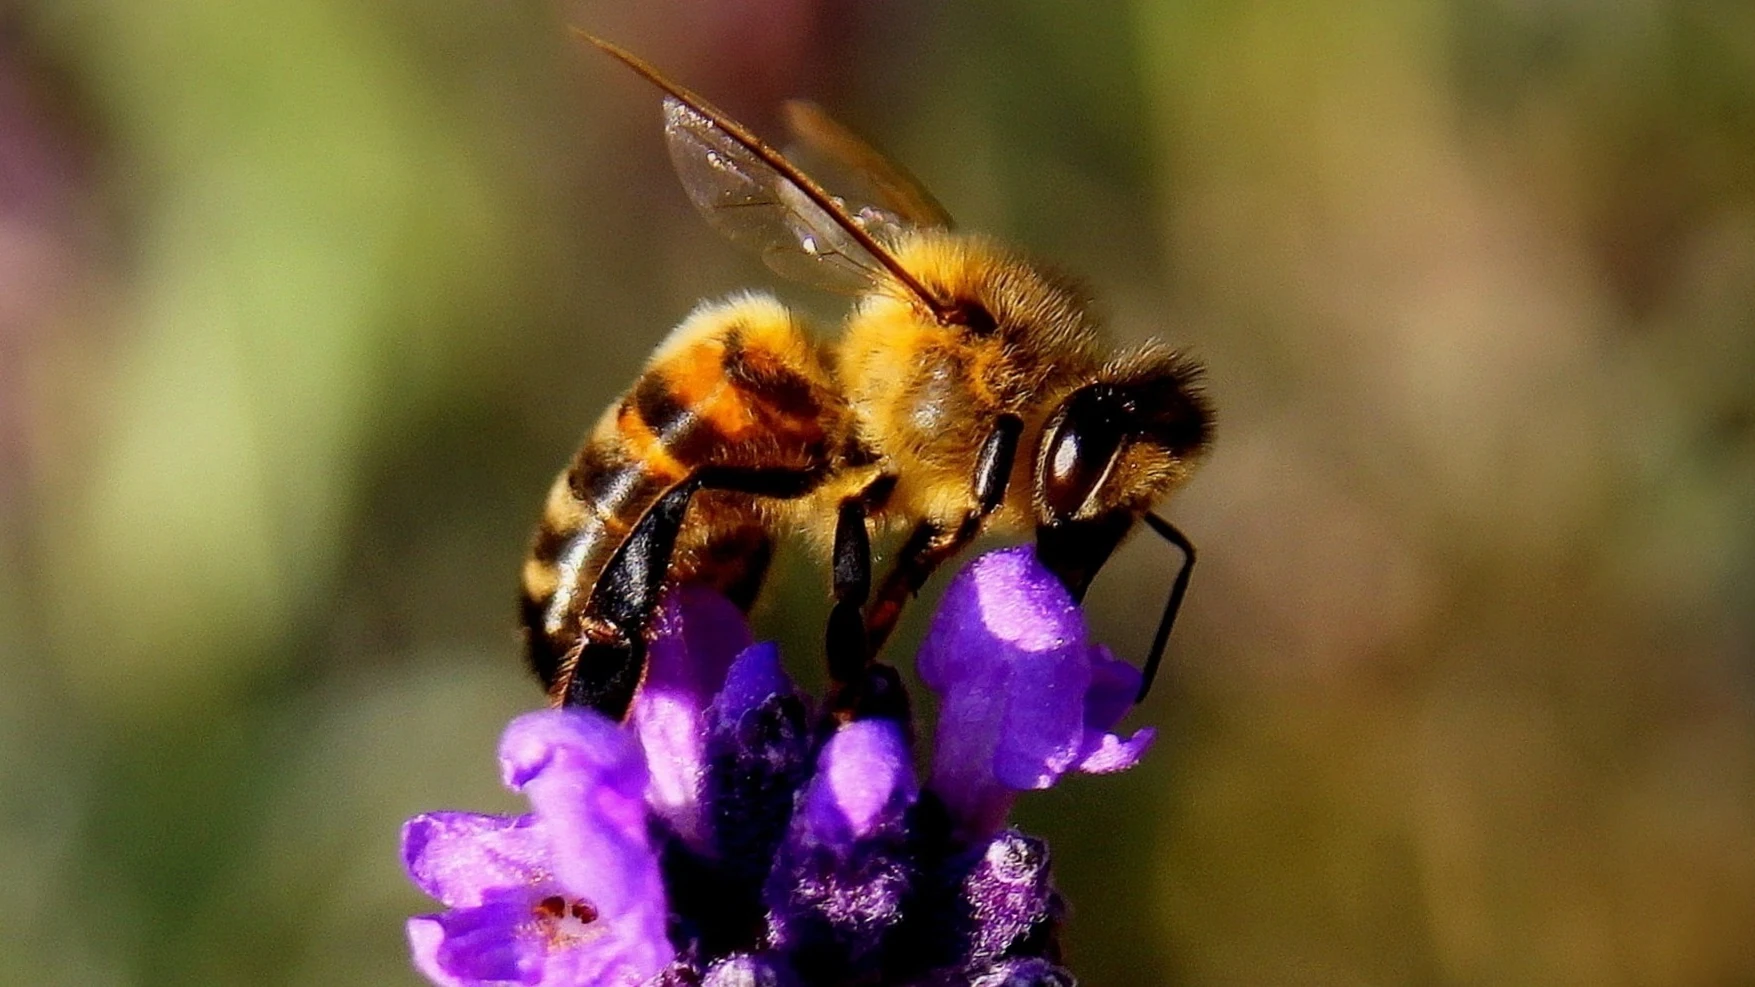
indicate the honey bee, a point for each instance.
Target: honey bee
{"x":967,"y":393}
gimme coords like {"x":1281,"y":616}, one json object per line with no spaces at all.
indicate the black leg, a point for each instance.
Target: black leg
{"x":845,"y":644}
{"x":611,"y":659}
{"x":930,"y":544}
{"x":860,"y":688}
{"x":926,"y":549}
{"x":1178,"y":589}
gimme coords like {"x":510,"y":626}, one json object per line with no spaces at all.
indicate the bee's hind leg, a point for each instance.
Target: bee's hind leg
{"x":612,"y":657}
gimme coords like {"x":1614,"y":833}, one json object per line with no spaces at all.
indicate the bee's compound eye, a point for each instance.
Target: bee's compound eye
{"x":1081,"y":444}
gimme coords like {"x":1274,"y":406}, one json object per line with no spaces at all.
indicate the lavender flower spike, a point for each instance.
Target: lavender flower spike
{"x":726,"y":836}
{"x":568,"y":895}
{"x":1027,"y":696}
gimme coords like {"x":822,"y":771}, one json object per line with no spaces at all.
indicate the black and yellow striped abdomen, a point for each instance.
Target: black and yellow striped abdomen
{"x":738,"y":383}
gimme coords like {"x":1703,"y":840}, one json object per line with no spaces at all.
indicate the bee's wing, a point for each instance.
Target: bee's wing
{"x":900,"y":197}
{"x":756,"y":205}
{"x":752,"y":194}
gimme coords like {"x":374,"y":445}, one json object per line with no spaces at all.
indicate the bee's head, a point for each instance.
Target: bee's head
{"x":1116,"y":445}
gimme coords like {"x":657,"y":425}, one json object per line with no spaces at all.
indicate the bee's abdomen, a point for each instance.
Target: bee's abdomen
{"x":736,"y":384}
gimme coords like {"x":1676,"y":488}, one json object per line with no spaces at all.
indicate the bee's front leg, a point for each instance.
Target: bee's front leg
{"x":926,"y":549}
{"x":932,"y":541}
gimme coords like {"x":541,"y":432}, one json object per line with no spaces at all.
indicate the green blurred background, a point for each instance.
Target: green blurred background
{"x":302,"y":304}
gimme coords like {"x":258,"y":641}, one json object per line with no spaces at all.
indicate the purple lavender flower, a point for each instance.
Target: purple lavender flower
{"x":569,"y":894}
{"x":725,"y":836}
{"x":1027,"y":696}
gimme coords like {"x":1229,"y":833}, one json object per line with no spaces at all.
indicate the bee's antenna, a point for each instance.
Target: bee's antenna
{"x":1178,"y":589}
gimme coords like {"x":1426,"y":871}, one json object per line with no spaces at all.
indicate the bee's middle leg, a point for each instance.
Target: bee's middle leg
{"x":851,"y":566}
{"x":859,"y":687}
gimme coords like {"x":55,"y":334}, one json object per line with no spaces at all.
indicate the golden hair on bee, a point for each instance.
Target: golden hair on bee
{"x":969,"y":391}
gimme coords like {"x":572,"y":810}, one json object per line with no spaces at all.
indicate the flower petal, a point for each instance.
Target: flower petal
{"x":459,"y":857}
{"x":425,"y":937}
{"x":758,"y":756}
{"x":586,"y":778}
{"x":493,"y":943}
{"x":863,"y":779}
{"x":1109,"y":753}
{"x":695,"y":638}
{"x":756,"y":675}
{"x":1114,"y":686}
{"x":1026,"y":696}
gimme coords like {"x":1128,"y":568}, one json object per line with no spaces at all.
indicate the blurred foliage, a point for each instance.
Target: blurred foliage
{"x":302,"y":303}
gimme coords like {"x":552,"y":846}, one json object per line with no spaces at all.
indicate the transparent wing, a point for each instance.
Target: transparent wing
{"x":755,"y":205}
{"x":752,"y":194}
{"x":900,"y":198}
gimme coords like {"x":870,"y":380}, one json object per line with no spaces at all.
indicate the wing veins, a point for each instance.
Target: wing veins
{"x":753,"y":145}
{"x":894,"y":184}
